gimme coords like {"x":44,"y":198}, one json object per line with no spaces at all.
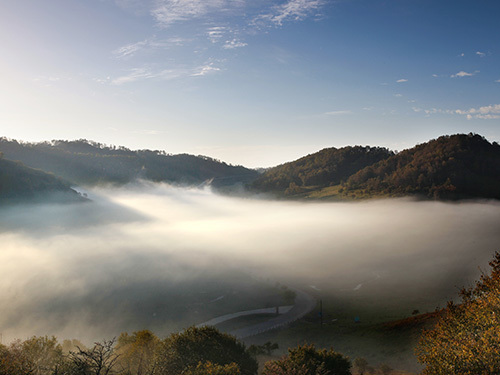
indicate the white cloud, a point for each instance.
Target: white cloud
{"x":480,"y":54}
{"x":204,"y":70}
{"x":489,"y":112}
{"x":498,"y":80}
{"x":402,"y":80}
{"x":216,"y":33}
{"x":292,"y":10}
{"x":464,"y":74}
{"x":235,"y":43}
{"x":398,"y":95}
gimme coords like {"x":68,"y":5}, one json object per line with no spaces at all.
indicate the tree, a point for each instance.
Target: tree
{"x":307,"y":360}
{"x":99,"y":360}
{"x":184,"y":351}
{"x":43,"y":355}
{"x":466,"y":338}
{"x":137,"y":352}
{"x":361,"y":365}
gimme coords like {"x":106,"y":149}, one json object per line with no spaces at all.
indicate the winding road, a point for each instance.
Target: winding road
{"x":304,"y":304}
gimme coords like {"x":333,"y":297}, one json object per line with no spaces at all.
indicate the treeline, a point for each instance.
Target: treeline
{"x":89,"y":163}
{"x":450,"y":167}
{"x":196,"y":351}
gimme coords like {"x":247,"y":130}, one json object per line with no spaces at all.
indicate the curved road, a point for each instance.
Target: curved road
{"x":304,"y":304}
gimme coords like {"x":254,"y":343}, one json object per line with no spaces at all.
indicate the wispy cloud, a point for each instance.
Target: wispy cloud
{"x":130,"y":50}
{"x":204,"y":70}
{"x":292,"y":10}
{"x":498,"y":80}
{"x":480,"y":54}
{"x":336,"y":113}
{"x":462,"y":74}
{"x":402,"y":80}
{"x":145,"y":73}
{"x":168,"y":12}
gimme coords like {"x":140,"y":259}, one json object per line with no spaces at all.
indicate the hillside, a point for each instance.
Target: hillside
{"x":460,"y":166}
{"x":90,"y":163}
{"x":327,"y":167}
{"x":20,"y":183}
{"x":450,"y":167}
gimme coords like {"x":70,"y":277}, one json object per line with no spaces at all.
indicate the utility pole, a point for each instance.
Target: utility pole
{"x":321,"y":312}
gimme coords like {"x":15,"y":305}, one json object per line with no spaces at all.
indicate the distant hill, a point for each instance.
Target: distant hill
{"x":89,"y":163}
{"x":450,"y":167}
{"x":20,"y":183}
{"x":459,"y":166}
{"x":328,"y":167}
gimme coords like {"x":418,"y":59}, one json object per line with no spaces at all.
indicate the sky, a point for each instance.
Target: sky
{"x":256,"y":83}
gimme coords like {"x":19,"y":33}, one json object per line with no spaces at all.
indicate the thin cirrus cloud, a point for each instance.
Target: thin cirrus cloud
{"x":138,"y":74}
{"x":402,"y":80}
{"x":131,"y":49}
{"x":339,"y":112}
{"x":168,"y":12}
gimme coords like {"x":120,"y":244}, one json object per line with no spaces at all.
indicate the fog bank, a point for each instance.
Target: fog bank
{"x":158,"y":257}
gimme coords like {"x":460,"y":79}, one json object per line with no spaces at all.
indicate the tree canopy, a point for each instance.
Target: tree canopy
{"x":307,"y":360}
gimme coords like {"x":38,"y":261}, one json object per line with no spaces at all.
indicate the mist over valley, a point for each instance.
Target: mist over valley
{"x":154,"y":256}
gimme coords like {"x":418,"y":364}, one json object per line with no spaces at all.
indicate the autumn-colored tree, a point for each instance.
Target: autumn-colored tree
{"x":466,"y":338}
{"x":137,"y":352}
{"x":307,"y":360}
{"x":184,"y":351}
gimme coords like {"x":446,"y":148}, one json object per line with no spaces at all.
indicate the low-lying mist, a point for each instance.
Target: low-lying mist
{"x":162,"y":258}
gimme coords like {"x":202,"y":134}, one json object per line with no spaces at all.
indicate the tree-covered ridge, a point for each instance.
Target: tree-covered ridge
{"x":327,"y":167}
{"x":450,"y":167}
{"x":18,"y":182}
{"x":88,"y":163}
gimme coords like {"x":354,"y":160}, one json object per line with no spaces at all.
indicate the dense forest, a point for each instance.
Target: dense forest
{"x":327,"y":167}
{"x":85,"y":162}
{"x":451,"y":167}
{"x":18,"y":182}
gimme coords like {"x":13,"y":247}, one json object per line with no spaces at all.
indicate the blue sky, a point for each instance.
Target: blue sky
{"x":256,"y":82}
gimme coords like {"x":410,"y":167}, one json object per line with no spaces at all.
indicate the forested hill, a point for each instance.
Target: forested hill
{"x":20,"y":183}
{"x":459,"y":166}
{"x":327,"y":167}
{"x":89,"y":163}
{"x":450,"y":167}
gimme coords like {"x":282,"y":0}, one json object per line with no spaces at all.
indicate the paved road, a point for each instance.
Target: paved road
{"x":304,"y":304}
{"x":223,"y":318}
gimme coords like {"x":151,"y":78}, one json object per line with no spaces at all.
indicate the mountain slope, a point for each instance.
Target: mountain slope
{"x":89,"y":163}
{"x":450,"y":167}
{"x":327,"y":167}
{"x":19,"y":183}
